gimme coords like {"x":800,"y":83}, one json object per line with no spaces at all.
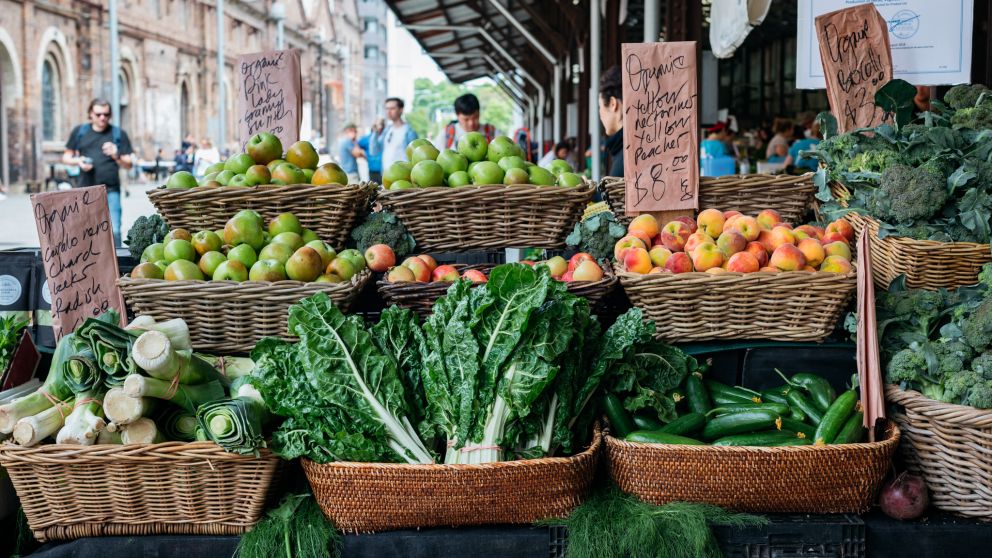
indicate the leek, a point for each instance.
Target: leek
{"x":142,"y":431}
{"x":122,"y":409}
{"x":112,"y":347}
{"x":188,"y":397}
{"x":55,"y":387}
{"x":81,"y":372}
{"x":175,"y":329}
{"x":107,"y":437}
{"x":178,"y":424}
{"x":85,"y":422}
{"x":30,"y":430}
{"x":236,"y":424}
{"x":230,"y":367}
{"x":154,"y":353}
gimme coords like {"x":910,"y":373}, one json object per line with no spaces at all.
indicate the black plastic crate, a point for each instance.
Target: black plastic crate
{"x":557,"y":541}
{"x":835,"y":362}
{"x":796,"y":536}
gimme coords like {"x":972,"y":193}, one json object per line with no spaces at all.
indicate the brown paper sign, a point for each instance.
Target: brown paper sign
{"x":270,"y":95}
{"x":77,"y":250}
{"x":857,"y":62}
{"x":660,"y":127}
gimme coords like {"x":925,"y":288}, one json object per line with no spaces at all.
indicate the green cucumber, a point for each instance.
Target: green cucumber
{"x":718,"y":389}
{"x":698,"y":395}
{"x":836,"y":417}
{"x":728,"y":408}
{"x":620,"y":421}
{"x":776,"y":395}
{"x":691,"y":423}
{"x":740,"y":423}
{"x":793,"y":425}
{"x":853,"y":431}
{"x":765,"y":438}
{"x":821,"y":393}
{"x":794,"y":441}
{"x":643,"y":422}
{"x":799,"y":401}
{"x":797,"y":414}
{"x":656,"y":437}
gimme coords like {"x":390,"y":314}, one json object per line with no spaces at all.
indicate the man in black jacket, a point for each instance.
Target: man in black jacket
{"x":611,"y":115}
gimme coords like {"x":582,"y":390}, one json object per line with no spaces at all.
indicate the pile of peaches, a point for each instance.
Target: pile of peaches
{"x":728,"y":241}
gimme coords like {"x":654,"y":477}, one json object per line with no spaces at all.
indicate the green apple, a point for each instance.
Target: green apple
{"x":473,"y":146}
{"x":162,"y":264}
{"x":210,"y":177}
{"x":343,"y":268}
{"x":329,"y":173}
{"x":258,"y":174}
{"x":209,"y":262}
{"x":541,"y":177}
{"x":274,"y":163}
{"x":424,"y":153}
{"x":288,"y":173}
{"x":267,"y":270}
{"x":244,"y":254}
{"x":569,"y":179}
{"x":304,"y":265}
{"x":231,"y":270}
{"x":179,"y":250}
{"x":239,"y":164}
{"x":308,"y":235}
{"x":415,"y":144}
{"x":251,"y":214}
{"x":224,"y":177}
{"x":559,"y":166}
{"x":326,"y":252}
{"x":452,"y":161}
{"x":356,"y":258}
{"x":472,"y":166}
{"x":512,"y":162}
{"x":500,"y":147}
{"x":487,"y":172}
{"x":400,"y":170}
{"x":303,"y":155}
{"x":290,"y":239}
{"x":147,"y":270}
{"x":285,"y":222}
{"x":153,"y":253}
{"x":276,"y":251}
{"x":460,"y":178}
{"x":239,"y":180}
{"x":264,"y":147}
{"x":308,"y":173}
{"x":182,"y":270}
{"x":177,"y":234}
{"x":329,"y":278}
{"x":427,"y":173}
{"x":515,"y":176}
{"x":402,"y":185}
{"x":206,"y":241}
{"x":182,"y":180}
{"x":214,"y":169}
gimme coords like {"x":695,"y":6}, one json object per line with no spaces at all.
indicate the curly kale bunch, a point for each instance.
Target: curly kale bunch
{"x":908,"y":194}
{"x":597,"y":235}
{"x":966,"y":95}
{"x":147,"y":230}
{"x":383,"y":227}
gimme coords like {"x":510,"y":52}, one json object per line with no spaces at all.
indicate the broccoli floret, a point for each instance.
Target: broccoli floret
{"x":916,"y":231}
{"x":985,"y":277}
{"x":874,"y":161}
{"x":980,"y":395}
{"x":957,"y":386}
{"x":940,"y":166}
{"x":383,"y":227}
{"x":908,"y":194}
{"x":977,"y":118}
{"x":965,"y":95}
{"x":977,"y":326}
{"x":983,"y":365}
{"x":146,"y":230}
{"x":952,"y":356}
{"x":597,"y":235}
{"x":908,"y":365}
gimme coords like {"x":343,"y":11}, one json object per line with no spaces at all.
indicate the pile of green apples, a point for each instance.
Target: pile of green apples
{"x":245,"y":250}
{"x":474,"y":162}
{"x":264,"y":162}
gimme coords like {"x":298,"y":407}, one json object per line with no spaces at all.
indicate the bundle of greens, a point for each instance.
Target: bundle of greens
{"x":295,"y":529}
{"x":928,"y":179}
{"x":597,"y":235}
{"x":11,"y":327}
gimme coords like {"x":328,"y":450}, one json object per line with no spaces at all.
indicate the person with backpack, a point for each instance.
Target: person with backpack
{"x":467,"y":113}
{"x":101,"y":150}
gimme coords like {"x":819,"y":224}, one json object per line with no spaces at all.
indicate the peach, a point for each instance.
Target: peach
{"x":711,"y":221}
{"x":656,"y":270}
{"x":656,"y":241}
{"x":812,"y":250}
{"x":747,"y":226}
{"x":635,"y":260}
{"x":786,"y":225}
{"x":622,"y":244}
{"x":807,"y":231}
{"x":659,"y":255}
{"x":842,"y":228}
{"x":729,"y":214}
{"x":646,"y":224}
{"x":707,"y":256}
{"x":731,"y":242}
{"x":743,"y":262}
{"x":568,"y":278}
{"x":768,"y":218}
{"x":765,"y":240}
{"x":641,"y":235}
{"x":779,"y":236}
{"x":840,"y":249}
{"x":679,"y":263}
{"x":808,"y":269}
{"x":588,"y":271}
{"x":770,"y":269}
{"x":695,"y":239}
{"x":834,"y":237}
{"x":836,"y":264}
{"x":575,"y":260}
{"x":787,"y":258}
{"x":429,"y":260}
{"x":728,"y":224}
{"x":689,"y":222}
{"x":716,"y":271}
{"x":674,"y":235}
{"x":759,"y":253}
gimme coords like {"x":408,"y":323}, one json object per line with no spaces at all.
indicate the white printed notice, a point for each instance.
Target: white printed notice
{"x":930,"y":39}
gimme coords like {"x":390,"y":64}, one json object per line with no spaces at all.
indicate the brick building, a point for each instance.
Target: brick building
{"x":374,"y":14}
{"x":55,"y":57}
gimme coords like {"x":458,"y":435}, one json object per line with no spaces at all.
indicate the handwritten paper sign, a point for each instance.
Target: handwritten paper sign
{"x":270,"y":95}
{"x":77,"y":250}
{"x":660,"y":129}
{"x":857,"y":62}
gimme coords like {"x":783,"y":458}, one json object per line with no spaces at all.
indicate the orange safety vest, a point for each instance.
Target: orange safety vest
{"x":449,"y":134}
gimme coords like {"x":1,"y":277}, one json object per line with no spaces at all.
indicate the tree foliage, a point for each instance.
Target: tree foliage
{"x":433,"y":106}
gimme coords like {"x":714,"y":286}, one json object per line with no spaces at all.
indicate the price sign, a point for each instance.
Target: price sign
{"x":660,"y":127}
{"x":270,"y":95}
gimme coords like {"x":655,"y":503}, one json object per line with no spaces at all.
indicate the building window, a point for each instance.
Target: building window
{"x":184,"y":120}
{"x":51,"y":101}
{"x":371,"y":53}
{"x":371,"y":24}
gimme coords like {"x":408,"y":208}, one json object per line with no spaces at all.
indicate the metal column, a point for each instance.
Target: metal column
{"x":115,"y":63}
{"x":221,"y":101}
{"x":557,"y":104}
{"x":594,"y":69}
{"x":651,"y":20}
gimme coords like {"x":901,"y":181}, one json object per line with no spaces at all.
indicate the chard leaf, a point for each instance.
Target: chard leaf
{"x":398,"y":336}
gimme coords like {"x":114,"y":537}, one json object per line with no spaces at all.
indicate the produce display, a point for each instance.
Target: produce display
{"x":245,"y":250}
{"x":475,"y":161}
{"x":423,"y":269}
{"x":925,"y":179}
{"x":727,"y":241}
{"x":264,"y":162}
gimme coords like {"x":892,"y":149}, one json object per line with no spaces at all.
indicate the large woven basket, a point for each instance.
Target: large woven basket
{"x":173,"y":488}
{"x":330,"y":210}
{"x":370,"y":497}
{"x":927,"y":264}
{"x":811,"y":479}
{"x":494,"y":216}
{"x":785,"y":306}
{"x":229,"y":316}
{"x":791,"y":196}
{"x":950,"y":446}
{"x":420,"y":297}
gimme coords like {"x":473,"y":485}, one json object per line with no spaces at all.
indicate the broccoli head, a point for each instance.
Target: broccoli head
{"x":957,"y":386}
{"x":983,"y":365}
{"x":980,"y":395}
{"x":597,"y":235}
{"x":145,"y":231}
{"x":906,"y":366}
{"x":908,"y":194}
{"x":977,"y":118}
{"x":874,"y":161}
{"x":383,"y":227}
{"x":977,"y":326}
{"x":952,"y":356}
{"x":964,"y":96}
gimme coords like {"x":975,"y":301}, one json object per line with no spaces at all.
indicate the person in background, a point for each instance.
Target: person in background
{"x":611,"y":115}
{"x":805,"y":144}
{"x":562,"y":150}
{"x":374,"y":159}
{"x":780,"y":151}
{"x":349,"y":152}
{"x":804,"y":124}
{"x":391,"y":140}
{"x":101,"y":150}
{"x":715,"y":144}
{"x":184,"y":157}
{"x":207,"y":155}
{"x":467,"y":113}
{"x":782,"y":127}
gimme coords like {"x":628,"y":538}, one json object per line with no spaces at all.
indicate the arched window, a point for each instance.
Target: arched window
{"x":124,"y":89}
{"x":51,"y":99}
{"x":184,"y":119}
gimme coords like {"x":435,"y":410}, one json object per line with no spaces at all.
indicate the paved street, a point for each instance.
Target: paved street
{"x":17,"y":228}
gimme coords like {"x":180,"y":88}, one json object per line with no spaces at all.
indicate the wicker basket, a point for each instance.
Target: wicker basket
{"x":811,"y":479}
{"x":950,"y":446}
{"x":791,"y":196}
{"x":370,"y":497}
{"x":927,"y":264}
{"x":473,"y":217}
{"x":329,"y":210}
{"x":785,"y":306}
{"x":420,"y":297}
{"x":171,"y":488}
{"x":228,"y":316}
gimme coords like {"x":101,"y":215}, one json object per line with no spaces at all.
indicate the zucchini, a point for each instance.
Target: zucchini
{"x":691,"y":423}
{"x":765,"y":438}
{"x":853,"y":431}
{"x":620,"y":421}
{"x":728,"y":408}
{"x":799,"y":401}
{"x":697,"y":394}
{"x":656,"y":437}
{"x":798,"y":426}
{"x":644,"y":422}
{"x":836,"y":417}
{"x":740,"y":423}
